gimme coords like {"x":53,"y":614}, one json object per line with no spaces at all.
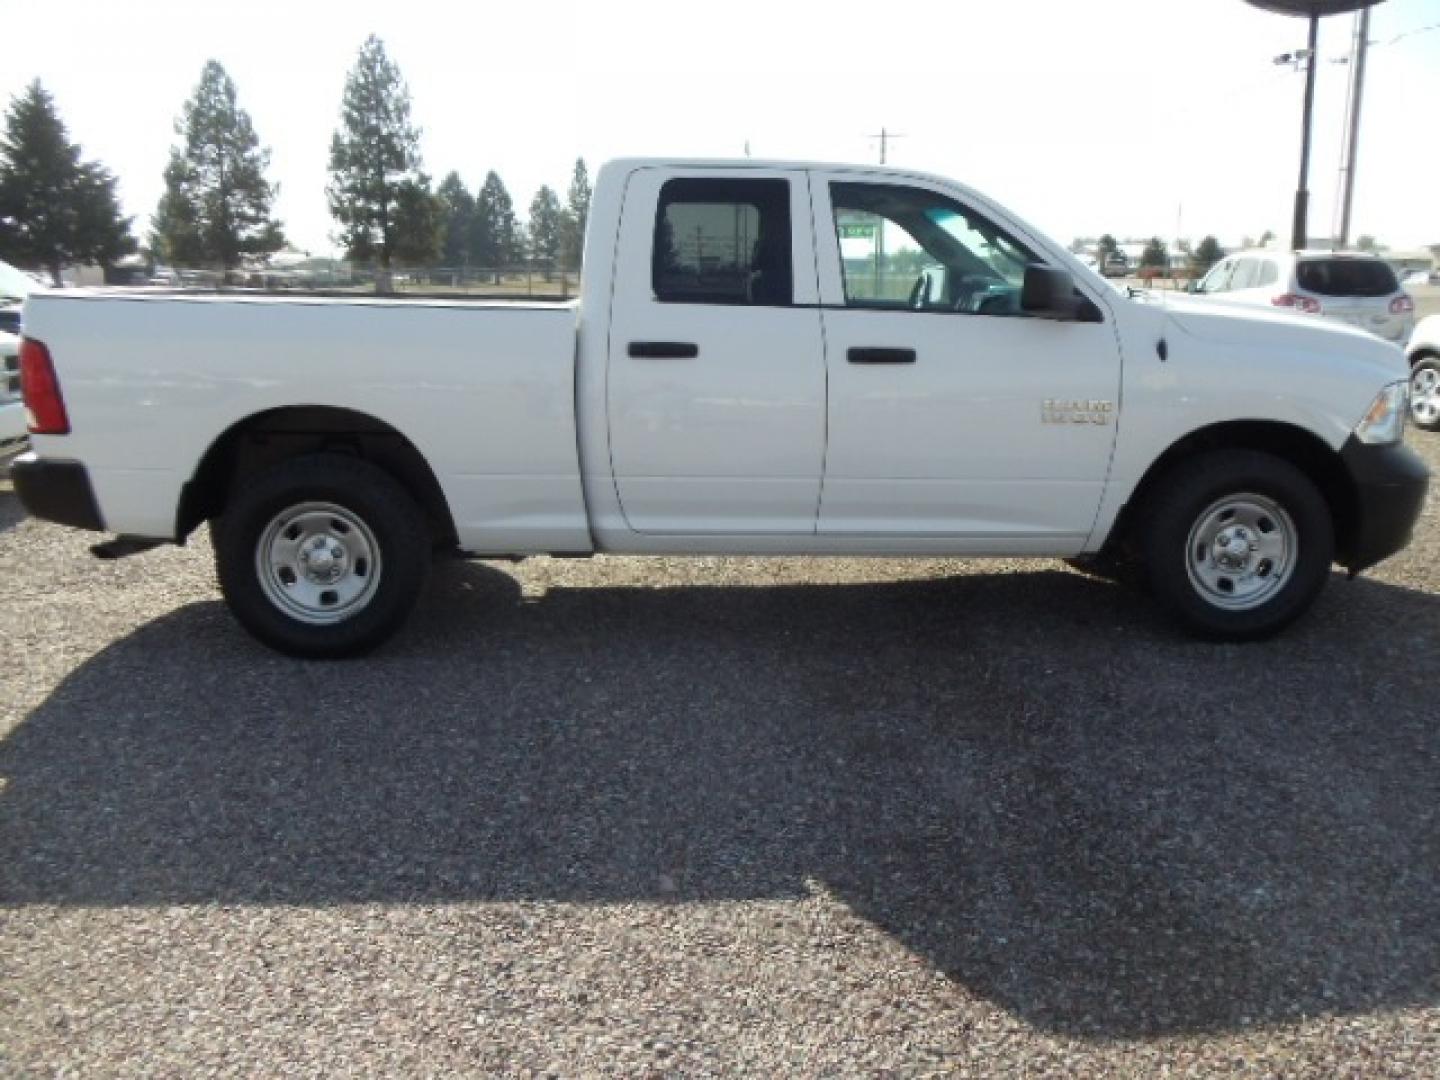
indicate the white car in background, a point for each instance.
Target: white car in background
{"x":1424,"y":355}
{"x":15,"y":285}
{"x":1349,"y":286}
{"x":12,"y":410}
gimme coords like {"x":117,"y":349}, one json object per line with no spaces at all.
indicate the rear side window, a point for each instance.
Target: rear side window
{"x":1269,"y":273}
{"x":723,"y":242}
{"x":1346,"y":277}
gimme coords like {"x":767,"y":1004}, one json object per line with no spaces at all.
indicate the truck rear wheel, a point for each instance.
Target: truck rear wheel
{"x":321,"y":556}
{"x":1237,"y":544}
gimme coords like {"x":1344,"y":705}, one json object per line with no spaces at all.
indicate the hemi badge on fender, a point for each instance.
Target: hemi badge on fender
{"x":1069,"y":411}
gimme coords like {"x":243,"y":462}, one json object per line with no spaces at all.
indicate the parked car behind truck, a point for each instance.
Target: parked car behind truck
{"x":739,"y":376}
{"x":1423,"y":352}
{"x":1348,"y":286}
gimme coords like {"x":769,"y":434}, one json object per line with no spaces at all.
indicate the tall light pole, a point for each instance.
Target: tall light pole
{"x":1314,"y":10}
{"x":1352,"y":122}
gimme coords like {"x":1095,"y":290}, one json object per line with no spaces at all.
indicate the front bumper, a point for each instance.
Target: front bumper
{"x":57,"y":491}
{"x":1390,"y":483}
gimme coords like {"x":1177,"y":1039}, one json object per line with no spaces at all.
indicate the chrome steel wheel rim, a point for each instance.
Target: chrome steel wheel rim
{"x":1425,"y":395}
{"x":1241,"y":551}
{"x":318,"y":562}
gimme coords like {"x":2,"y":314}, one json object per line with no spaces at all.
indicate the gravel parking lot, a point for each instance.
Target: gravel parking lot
{"x":712,"y":816}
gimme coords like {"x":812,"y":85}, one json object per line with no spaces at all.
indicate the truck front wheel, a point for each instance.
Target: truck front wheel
{"x":321,"y":556}
{"x":1237,"y":544}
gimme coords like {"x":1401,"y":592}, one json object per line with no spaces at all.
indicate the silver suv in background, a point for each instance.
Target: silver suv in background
{"x":1349,"y":286}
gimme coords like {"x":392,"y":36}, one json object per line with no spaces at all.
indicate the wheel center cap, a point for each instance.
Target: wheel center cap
{"x":1233,"y":547}
{"x":324,"y":560}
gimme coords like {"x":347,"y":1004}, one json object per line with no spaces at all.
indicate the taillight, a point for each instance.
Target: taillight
{"x":1402,"y":305}
{"x":39,"y":387}
{"x":1308,"y":304}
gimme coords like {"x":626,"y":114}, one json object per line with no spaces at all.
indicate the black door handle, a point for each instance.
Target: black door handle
{"x":664,"y":350}
{"x":871,"y":355}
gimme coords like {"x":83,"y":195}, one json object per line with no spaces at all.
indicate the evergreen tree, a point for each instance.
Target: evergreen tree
{"x":418,"y":223}
{"x":494,"y":233}
{"x":55,"y":209}
{"x":1206,"y":255}
{"x":457,"y":208}
{"x":217,"y":203}
{"x":577,"y":214}
{"x":546,"y":227}
{"x":374,"y":157}
{"x":1155,"y":254}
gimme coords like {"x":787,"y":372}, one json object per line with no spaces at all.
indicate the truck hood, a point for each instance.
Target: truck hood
{"x":1283,"y":331}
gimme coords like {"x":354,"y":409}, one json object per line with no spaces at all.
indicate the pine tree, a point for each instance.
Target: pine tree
{"x":417,"y":223}
{"x":55,"y":209}
{"x":457,"y":208}
{"x":374,"y":157}
{"x":547,"y":222}
{"x":1206,"y":255}
{"x":494,"y":234}
{"x":217,"y":203}
{"x":577,"y":214}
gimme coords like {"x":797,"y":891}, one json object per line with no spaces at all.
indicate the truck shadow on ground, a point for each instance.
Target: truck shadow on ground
{"x":11,"y":512}
{"x":1104,"y":828}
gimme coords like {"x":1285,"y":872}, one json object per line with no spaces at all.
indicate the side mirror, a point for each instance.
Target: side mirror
{"x":1049,"y":293}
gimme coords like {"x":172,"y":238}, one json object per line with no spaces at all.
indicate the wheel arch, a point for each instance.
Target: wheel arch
{"x":273,"y":435}
{"x":1289,"y":442}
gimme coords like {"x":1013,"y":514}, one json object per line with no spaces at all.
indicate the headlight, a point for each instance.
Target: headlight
{"x":1384,"y":421}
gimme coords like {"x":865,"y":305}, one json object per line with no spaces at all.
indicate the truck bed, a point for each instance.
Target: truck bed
{"x":484,"y":390}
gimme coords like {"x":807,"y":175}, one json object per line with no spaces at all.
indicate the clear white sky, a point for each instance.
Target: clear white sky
{"x":1109,"y":115}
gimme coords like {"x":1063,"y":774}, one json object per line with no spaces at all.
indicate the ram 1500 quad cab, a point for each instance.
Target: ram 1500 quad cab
{"x":766,"y":358}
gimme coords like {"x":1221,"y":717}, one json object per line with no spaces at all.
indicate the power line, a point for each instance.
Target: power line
{"x":1407,"y":33}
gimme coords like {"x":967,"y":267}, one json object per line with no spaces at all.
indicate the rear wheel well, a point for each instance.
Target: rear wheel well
{"x":262,"y":440}
{"x":1423,"y":354}
{"x":1299,"y":447}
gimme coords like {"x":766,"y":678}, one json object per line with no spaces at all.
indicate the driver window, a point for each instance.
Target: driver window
{"x":906,"y":248}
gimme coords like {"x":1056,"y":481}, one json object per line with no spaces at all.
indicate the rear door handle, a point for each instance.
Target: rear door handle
{"x":874,"y":355}
{"x":664,"y":350}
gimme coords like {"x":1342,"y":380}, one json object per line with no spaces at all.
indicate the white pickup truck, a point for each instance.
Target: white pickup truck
{"x":766,"y":358}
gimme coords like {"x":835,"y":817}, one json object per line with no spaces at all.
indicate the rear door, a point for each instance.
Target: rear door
{"x":716,"y":374}
{"x":952,"y":413}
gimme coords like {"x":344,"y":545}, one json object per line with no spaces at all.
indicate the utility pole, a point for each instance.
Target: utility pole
{"x":1298,"y":235}
{"x":885,"y":135}
{"x":1352,"y":121}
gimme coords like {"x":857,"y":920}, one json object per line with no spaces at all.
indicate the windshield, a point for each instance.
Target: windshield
{"x":13,"y":284}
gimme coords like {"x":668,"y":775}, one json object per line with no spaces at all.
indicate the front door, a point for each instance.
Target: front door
{"x":716,"y":391}
{"x":952,"y":413}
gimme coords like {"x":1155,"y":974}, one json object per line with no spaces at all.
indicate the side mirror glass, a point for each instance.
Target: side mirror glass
{"x":1049,"y":293}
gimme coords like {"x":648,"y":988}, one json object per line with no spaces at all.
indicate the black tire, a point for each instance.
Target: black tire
{"x":1190,"y":493}
{"x":1428,"y":364}
{"x":364,"y":494}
